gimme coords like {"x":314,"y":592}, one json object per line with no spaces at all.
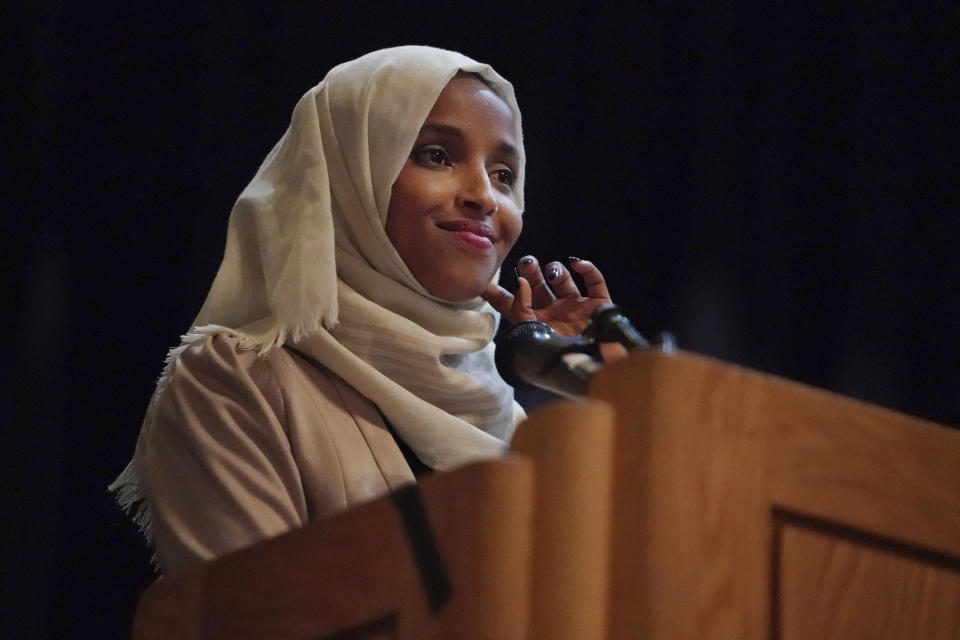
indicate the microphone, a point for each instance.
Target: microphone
{"x":533,"y":353}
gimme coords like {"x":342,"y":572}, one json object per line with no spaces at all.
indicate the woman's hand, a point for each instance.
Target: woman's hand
{"x":551,"y":296}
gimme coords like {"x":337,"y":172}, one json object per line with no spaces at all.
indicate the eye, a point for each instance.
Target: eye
{"x":505,"y":176}
{"x":432,"y":156}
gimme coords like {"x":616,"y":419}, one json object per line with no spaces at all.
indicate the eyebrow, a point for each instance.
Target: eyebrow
{"x":503,"y":147}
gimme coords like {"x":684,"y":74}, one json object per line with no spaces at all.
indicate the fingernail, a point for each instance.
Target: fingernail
{"x":516,"y":278}
{"x":573,"y":259}
{"x":525,"y":261}
{"x":553,"y":273}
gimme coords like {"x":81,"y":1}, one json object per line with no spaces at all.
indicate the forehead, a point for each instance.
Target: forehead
{"x":466,"y":99}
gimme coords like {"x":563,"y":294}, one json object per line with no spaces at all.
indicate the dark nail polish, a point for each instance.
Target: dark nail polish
{"x":525,"y":261}
{"x":553,"y":273}
{"x":573,"y":259}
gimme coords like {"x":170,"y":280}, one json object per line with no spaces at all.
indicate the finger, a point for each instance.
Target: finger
{"x":498,"y":297}
{"x":530,"y":269}
{"x":514,"y":309}
{"x":522,"y":308}
{"x":592,"y":279}
{"x":560,"y":281}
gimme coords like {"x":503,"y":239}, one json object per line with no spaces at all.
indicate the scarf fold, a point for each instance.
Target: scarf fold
{"x":308,"y":263}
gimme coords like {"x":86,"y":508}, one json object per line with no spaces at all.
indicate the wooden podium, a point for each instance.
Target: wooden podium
{"x":687,"y":499}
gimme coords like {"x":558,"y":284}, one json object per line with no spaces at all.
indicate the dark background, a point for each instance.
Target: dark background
{"x":775,"y":185}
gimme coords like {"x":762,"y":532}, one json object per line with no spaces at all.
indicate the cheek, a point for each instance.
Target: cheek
{"x":512,"y":226}
{"x":403,"y":211}
{"x":401,"y":203}
{"x":412,"y":198}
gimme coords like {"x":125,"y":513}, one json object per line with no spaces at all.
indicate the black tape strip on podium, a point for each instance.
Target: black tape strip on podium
{"x":433,"y":573}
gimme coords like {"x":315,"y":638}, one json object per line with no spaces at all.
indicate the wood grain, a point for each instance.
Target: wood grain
{"x":689,"y":503}
{"x":843,"y":586}
{"x":708,"y":454}
{"x":354,"y":573}
{"x":571,"y":445}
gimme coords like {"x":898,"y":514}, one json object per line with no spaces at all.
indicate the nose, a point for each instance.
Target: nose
{"x":476,"y":193}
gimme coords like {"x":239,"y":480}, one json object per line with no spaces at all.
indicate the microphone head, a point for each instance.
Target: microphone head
{"x":505,"y":356}
{"x":532,"y":353}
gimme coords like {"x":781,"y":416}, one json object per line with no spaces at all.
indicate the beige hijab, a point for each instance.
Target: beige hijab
{"x":308,"y":264}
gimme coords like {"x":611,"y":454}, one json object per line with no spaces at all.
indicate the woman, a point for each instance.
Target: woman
{"x":345,"y":344}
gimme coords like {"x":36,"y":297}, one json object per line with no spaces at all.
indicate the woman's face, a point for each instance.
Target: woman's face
{"x":453,"y":215}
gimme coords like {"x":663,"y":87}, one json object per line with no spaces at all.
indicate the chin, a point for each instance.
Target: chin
{"x":460,"y":296}
{"x":458,"y":292}
{"x":455,"y":281}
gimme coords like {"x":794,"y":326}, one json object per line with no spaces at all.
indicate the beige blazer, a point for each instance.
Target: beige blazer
{"x":243,"y":448}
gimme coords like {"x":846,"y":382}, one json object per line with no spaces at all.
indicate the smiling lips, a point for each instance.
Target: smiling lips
{"x":470,"y":231}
